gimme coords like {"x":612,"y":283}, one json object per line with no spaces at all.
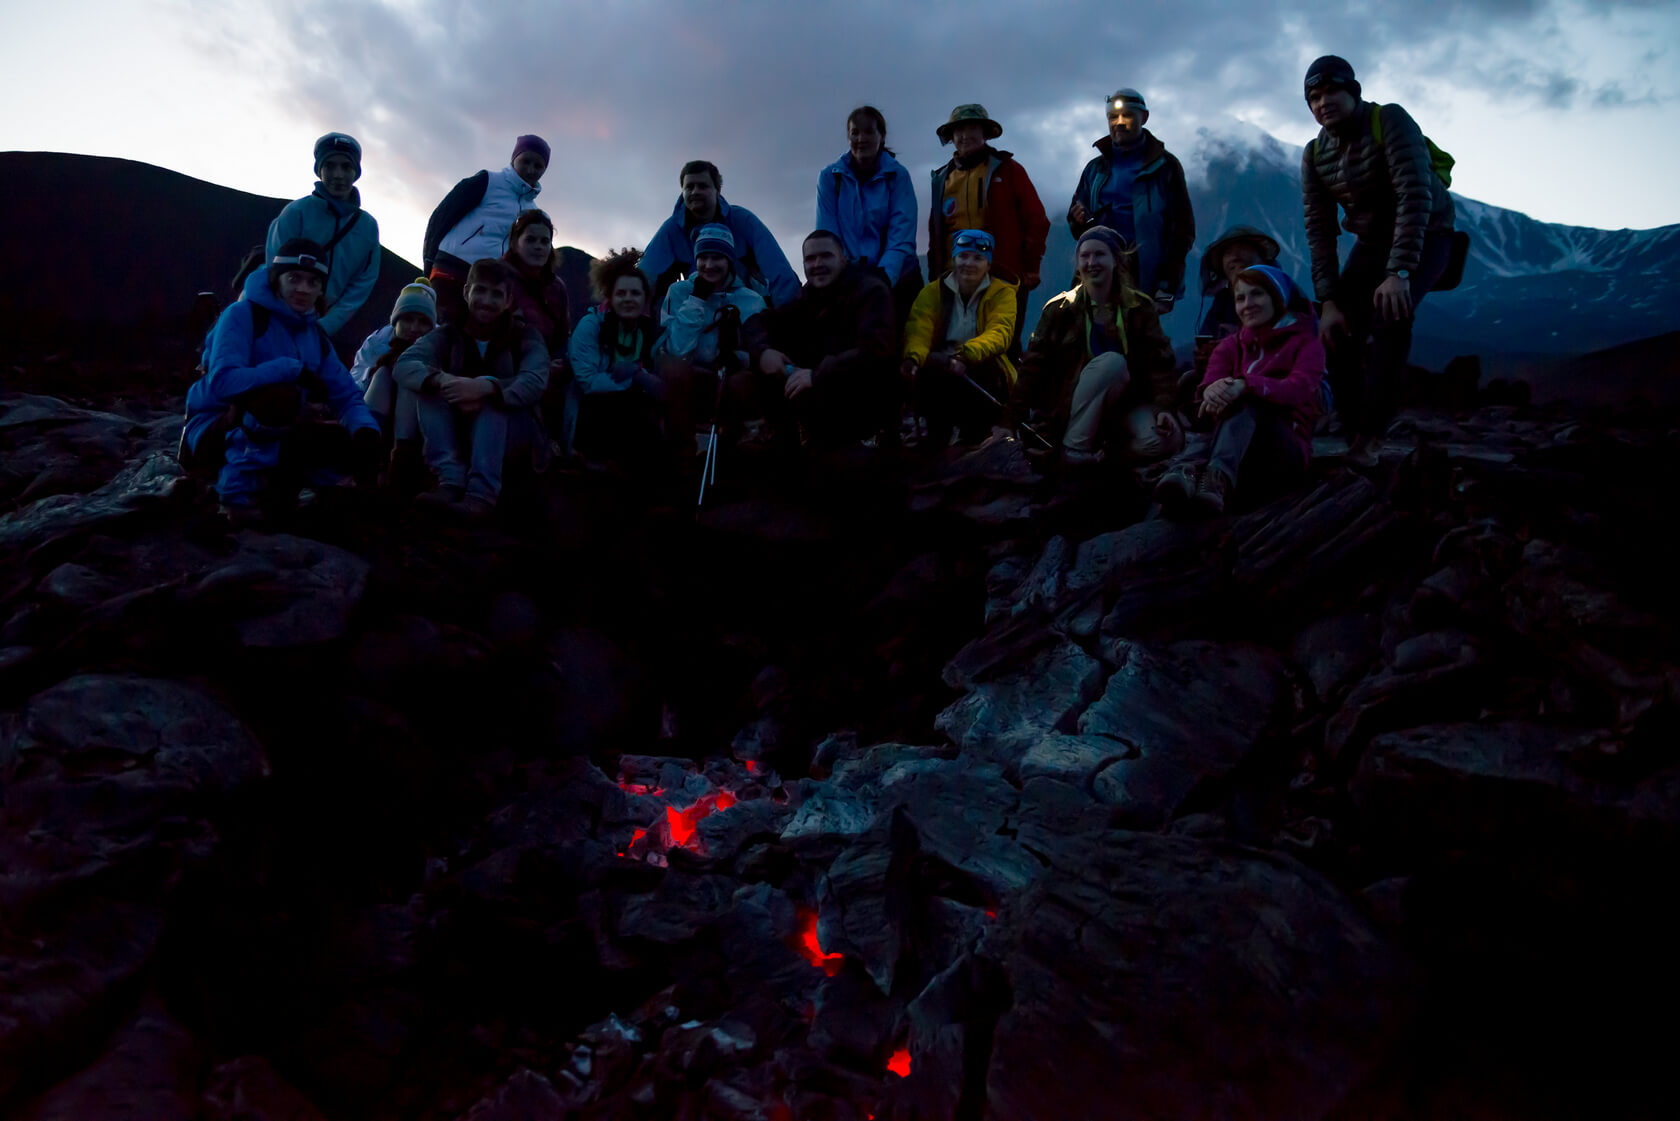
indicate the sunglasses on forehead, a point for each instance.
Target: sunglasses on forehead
{"x":979,"y":242}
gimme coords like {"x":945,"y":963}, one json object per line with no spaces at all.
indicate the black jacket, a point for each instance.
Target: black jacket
{"x":851,"y":322}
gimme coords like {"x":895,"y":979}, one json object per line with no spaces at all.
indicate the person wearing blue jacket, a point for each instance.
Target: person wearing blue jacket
{"x":868,"y":199}
{"x":615,"y":394}
{"x":332,"y":217}
{"x":759,"y":261}
{"x":269,"y":356}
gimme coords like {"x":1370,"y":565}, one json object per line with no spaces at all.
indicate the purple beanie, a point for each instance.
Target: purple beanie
{"x":530,"y":144}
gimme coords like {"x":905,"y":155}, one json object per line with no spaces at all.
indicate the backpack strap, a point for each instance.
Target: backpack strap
{"x":259,"y":325}
{"x":326,"y":250}
{"x":1376,"y":123}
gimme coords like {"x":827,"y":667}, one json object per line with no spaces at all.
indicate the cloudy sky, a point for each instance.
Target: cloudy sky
{"x":1567,"y":111}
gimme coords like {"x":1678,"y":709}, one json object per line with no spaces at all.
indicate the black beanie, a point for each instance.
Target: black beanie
{"x":287,"y":259}
{"x":1335,"y":70}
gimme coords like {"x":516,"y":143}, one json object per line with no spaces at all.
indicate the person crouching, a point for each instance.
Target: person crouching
{"x":1263,"y":386}
{"x":412,"y":316}
{"x":958,"y":333}
{"x":478,"y":384}
{"x":247,"y":417}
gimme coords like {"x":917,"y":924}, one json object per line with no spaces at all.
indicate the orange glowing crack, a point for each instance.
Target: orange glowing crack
{"x":899,"y":1064}
{"x":811,"y":946}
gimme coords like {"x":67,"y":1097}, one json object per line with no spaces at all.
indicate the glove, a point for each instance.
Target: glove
{"x":314,"y":388}
{"x":622,"y":372}
{"x":702,"y":287}
{"x":367,"y":454}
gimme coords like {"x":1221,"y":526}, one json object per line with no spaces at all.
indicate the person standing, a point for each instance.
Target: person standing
{"x":867,"y":199}
{"x":332,"y":217}
{"x":475,"y":218}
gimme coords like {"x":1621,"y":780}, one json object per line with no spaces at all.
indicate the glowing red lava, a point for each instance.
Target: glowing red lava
{"x":811,"y":946}
{"x":899,"y":1064}
{"x":752,"y":765}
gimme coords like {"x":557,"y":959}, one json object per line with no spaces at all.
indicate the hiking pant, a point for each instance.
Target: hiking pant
{"x":840,"y":407}
{"x":469,"y":450}
{"x":273,"y":451}
{"x":392,"y":405}
{"x":1368,"y":366}
{"x":1254,"y":446}
{"x":948,"y":401}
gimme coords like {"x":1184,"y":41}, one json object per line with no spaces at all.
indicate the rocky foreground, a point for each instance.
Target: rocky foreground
{"x":973,"y":798}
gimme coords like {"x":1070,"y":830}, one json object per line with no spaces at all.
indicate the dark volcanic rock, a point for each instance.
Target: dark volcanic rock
{"x":148,"y":1069}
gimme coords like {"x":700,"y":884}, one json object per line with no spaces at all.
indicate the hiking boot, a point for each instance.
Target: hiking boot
{"x":1362,"y":452}
{"x":1177,"y":488}
{"x":242,"y":515}
{"x":1213,"y":490}
{"x":472,"y":508}
{"x":441,"y":498}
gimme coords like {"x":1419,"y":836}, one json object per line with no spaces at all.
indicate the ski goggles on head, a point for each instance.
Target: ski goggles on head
{"x":300,"y":261}
{"x":973,"y":241}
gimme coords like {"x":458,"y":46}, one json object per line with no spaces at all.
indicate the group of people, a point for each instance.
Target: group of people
{"x":480,"y":366}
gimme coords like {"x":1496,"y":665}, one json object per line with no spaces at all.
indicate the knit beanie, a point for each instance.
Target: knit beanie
{"x":1277,"y":284}
{"x":297,"y":253}
{"x":980,"y":242}
{"x":1128,"y":96}
{"x":418,"y":297}
{"x":530,"y":144}
{"x":1332,"y":69}
{"x":1108,"y":236}
{"x":714,"y":237}
{"x":338,"y":144}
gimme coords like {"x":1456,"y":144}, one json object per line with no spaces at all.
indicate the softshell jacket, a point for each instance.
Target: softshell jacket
{"x":541,"y":300}
{"x":1061,"y":346}
{"x":689,"y":325}
{"x":238,"y":364}
{"x":875,"y":218}
{"x":592,"y":350}
{"x":352,"y":264}
{"x":930,"y":318}
{"x":1283,"y":366}
{"x":1162,"y":218}
{"x":760,"y":261}
{"x":850,"y":323}
{"x":1014,"y":217}
{"x":1389,"y":193}
{"x":1221,"y":318}
{"x":515,"y":362}
{"x":474,"y":219}
{"x":373,"y":348}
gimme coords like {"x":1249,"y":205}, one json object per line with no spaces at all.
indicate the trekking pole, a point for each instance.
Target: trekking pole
{"x":1025,"y":427}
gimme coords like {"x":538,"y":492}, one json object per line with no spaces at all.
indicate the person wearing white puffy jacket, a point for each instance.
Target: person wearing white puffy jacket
{"x":474,"y":219}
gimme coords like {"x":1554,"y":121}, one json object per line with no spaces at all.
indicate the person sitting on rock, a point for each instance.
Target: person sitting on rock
{"x":478,"y":384}
{"x":759,"y":261}
{"x":827,"y":362}
{"x":1262,"y":386}
{"x":1098,"y":361}
{"x":959,"y":331}
{"x":332,"y":217}
{"x":1137,"y":188}
{"x":984,"y":188}
{"x":247,"y":417}
{"x":618,"y":394}
{"x":710,"y":324}
{"x":867,"y":197}
{"x":475,"y":219}
{"x":541,"y":300}
{"x":412,"y":316}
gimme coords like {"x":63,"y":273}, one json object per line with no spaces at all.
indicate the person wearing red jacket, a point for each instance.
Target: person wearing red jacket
{"x":983,"y":188}
{"x":1264,"y":387}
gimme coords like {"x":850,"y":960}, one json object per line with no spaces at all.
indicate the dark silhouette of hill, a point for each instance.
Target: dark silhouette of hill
{"x":103,"y":254}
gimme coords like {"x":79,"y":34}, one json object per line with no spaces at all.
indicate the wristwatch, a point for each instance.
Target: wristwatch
{"x":1403,"y":274}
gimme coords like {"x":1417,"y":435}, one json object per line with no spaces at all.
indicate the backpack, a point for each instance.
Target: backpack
{"x":1440,"y":161}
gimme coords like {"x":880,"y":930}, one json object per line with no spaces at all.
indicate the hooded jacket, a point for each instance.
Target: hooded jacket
{"x":875,"y":218}
{"x":1061,"y":347}
{"x":930,"y":318}
{"x":1014,"y":217}
{"x":1389,"y":193}
{"x":759,"y":260}
{"x":592,"y":350}
{"x":1221,"y":318}
{"x":290,"y":344}
{"x":1162,"y":219}
{"x":474,"y":219}
{"x":689,"y":323}
{"x":352,"y":264}
{"x":850,"y":324}
{"x":1283,"y":365}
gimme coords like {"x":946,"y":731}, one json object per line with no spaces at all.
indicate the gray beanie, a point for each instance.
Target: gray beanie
{"x":417,"y":296}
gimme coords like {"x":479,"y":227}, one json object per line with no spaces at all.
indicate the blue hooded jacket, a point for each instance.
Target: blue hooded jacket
{"x":763,"y":266}
{"x":875,"y":218}
{"x":352,"y":264}
{"x":239,"y":364}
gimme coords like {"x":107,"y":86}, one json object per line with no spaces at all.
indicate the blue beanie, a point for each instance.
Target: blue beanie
{"x":984,"y":243}
{"x":1276,"y":282}
{"x":338,"y":144}
{"x":714,"y":237}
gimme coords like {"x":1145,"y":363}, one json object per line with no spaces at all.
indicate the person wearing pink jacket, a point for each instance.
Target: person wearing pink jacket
{"x":1263,"y":386}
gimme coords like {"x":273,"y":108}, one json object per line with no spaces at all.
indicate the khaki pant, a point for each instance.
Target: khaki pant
{"x":1101,"y":385}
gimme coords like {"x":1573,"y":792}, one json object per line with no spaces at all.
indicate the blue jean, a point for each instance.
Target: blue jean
{"x":1254,"y":447}
{"x":484,"y":439}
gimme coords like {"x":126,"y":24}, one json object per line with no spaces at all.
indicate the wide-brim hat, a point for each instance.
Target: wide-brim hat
{"x":970,"y":112}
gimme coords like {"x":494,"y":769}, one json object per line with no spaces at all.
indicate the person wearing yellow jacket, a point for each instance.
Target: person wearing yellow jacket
{"x":956,"y":344}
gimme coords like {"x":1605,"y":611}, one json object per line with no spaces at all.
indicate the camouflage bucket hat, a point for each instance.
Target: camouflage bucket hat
{"x":970,"y":112}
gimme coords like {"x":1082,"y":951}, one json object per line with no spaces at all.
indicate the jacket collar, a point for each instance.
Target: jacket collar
{"x":679,"y":214}
{"x":950,"y":282}
{"x":1153,"y":149}
{"x":845,"y":168}
{"x":258,"y":292}
{"x":343,"y":209}
{"x":518,"y":185}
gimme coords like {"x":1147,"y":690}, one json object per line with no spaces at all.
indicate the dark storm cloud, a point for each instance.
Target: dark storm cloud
{"x":626,"y":92}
